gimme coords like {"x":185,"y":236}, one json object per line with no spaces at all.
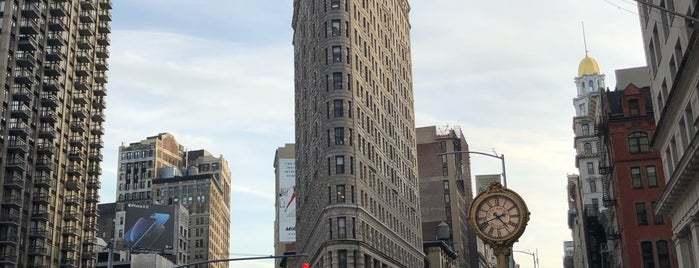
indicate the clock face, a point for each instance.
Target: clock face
{"x":498,"y":217}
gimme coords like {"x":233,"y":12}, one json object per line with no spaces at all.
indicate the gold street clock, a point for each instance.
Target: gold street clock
{"x":499,"y":217}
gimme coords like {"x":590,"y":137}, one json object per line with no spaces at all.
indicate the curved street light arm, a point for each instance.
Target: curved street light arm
{"x":494,"y":155}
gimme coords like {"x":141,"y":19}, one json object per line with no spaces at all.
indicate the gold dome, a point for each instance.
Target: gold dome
{"x":588,"y":66}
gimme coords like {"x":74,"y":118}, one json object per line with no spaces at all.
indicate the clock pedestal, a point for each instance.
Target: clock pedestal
{"x":503,"y":254}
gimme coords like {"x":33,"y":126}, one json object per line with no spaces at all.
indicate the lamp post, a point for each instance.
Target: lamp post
{"x":494,"y":155}
{"x":534,"y":255}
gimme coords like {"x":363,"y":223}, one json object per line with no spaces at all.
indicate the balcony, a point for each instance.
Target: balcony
{"x":82,"y":85}
{"x":54,"y":69}
{"x":79,"y":112}
{"x":42,"y":233}
{"x":71,"y":231}
{"x":87,"y":5}
{"x":94,"y":170}
{"x":93,"y":183}
{"x":78,"y":126}
{"x":56,"y":39}
{"x":49,"y":99}
{"x":105,"y":15}
{"x":14,"y":181}
{"x":89,"y":255}
{"x":48,"y":117}
{"x":97,"y":130}
{"x":105,"y":4}
{"x":101,"y":77}
{"x":102,"y":52}
{"x":45,"y":164}
{"x":103,"y":39}
{"x":38,"y":251}
{"x":93,"y":198}
{"x":45,"y":148}
{"x":42,"y":198}
{"x":92,"y":212}
{"x":25,"y":59}
{"x":103,"y":27}
{"x":16,"y":164}
{"x":24,"y":77}
{"x":59,"y":9}
{"x":9,"y":219}
{"x":47,"y":132}
{"x":101,"y":65}
{"x":58,"y":24}
{"x":41,"y":215}
{"x":86,"y":29}
{"x":13,"y":201}
{"x":74,"y":185}
{"x":83,"y":70}
{"x":98,"y":117}
{"x":83,"y":55}
{"x":99,"y":103}
{"x":44,"y":180}
{"x":27,"y":43}
{"x":20,"y":110}
{"x":87,"y":16}
{"x":75,"y":170}
{"x":77,"y":141}
{"x":22,"y":93}
{"x":8,"y":258}
{"x":69,"y":262}
{"x":17,"y":147}
{"x":71,"y":215}
{"x":100,"y":90}
{"x":20,"y":129}
{"x":55,"y":55}
{"x":28,"y":27}
{"x":96,"y":143}
{"x":9,"y":240}
{"x":80,"y":98}
{"x":30,"y":11}
{"x":76,"y":155}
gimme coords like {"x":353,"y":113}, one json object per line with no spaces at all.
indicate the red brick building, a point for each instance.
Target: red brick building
{"x":636,"y":180}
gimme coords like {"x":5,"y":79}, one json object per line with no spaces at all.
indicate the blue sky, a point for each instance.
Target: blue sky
{"x":219,"y":75}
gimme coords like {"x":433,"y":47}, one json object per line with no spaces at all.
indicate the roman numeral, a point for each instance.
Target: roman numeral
{"x":483,"y":225}
{"x":497,"y":201}
{"x":514,"y":216}
{"x":499,"y":233}
{"x":491,"y":231}
{"x":513,"y":224}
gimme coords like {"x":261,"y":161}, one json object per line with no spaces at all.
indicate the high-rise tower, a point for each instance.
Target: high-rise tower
{"x":54,"y":54}
{"x":356,"y":163}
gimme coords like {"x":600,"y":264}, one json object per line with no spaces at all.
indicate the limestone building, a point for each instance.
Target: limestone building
{"x":356,"y":163}
{"x":672,"y":55}
{"x":54,"y":54}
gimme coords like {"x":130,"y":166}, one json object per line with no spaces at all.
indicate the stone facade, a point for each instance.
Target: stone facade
{"x":356,"y":168}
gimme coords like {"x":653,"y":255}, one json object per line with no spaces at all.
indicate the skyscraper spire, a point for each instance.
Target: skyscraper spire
{"x":584,"y":39}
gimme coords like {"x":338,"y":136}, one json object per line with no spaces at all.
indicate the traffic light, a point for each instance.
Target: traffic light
{"x":305,"y":265}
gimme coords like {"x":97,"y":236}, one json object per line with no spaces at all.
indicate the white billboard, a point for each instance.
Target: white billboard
{"x":287,"y":200}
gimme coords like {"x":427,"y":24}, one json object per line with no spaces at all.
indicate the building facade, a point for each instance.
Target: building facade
{"x":445,"y":190}
{"x":356,"y":162}
{"x":285,"y":203}
{"x":672,"y":55}
{"x":54,"y":54}
{"x":586,"y":195}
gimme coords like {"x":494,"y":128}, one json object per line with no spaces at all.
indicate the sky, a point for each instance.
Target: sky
{"x":219,"y":76}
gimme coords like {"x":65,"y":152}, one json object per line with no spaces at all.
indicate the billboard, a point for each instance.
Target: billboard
{"x":287,"y":200}
{"x":150,"y":227}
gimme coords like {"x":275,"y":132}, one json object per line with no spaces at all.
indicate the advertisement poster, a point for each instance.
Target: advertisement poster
{"x":287,"y":201}
{"x":150,"y":227}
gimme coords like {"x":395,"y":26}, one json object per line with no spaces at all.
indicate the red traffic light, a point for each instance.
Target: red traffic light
{"x":305,"y":265}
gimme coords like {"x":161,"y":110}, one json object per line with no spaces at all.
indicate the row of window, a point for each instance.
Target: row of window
{"x":642,"y":215}
{"x":638,"y":143}
{"x":661,"y":254}
{"x":340,"y":194}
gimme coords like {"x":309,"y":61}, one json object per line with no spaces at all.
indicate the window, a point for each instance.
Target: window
{"x":590,"y":168}
{"x":633,"y":107}
{"x":636,"y":177}
{"x":652,"y":176}
{"x":337,"y":108}
{"x":446,"y":184}
{"x":595,"y":203}
{"x":447,"y":198}
{"x":587,"y":147}
{"x":342,"y":258}
{"x":335,"y":27}
{"x":663,"y":254}
{"x":340,"y":193}
{"x":337,"y":81}
{"x":339,"y":136}
{"x":593,"y":186}
{"x":335,"y":4}
{"x":641,"y":216}
{"x":647,"y":254}
{"x":585,"y":129}
{"x":341,"y":228}
{"x":657,"y":218}
{"x":638,"y":142}
{"x":339,"y":164}
{"x":337,"y":54}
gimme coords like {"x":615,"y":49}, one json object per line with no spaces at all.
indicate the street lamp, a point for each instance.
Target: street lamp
{"x":535,"y":255}
{"x":494,"y":155}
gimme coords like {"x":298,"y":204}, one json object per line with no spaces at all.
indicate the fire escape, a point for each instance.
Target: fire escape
{"x":610,"y":250}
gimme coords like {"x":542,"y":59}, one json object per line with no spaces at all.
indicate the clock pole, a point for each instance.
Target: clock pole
{"x":503,"y":254}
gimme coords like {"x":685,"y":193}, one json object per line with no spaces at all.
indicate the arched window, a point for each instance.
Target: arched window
{"x":590,"y":85}
{"x":638,"y":142}
{"x":663,"y":254}
{"x":588,"y":148}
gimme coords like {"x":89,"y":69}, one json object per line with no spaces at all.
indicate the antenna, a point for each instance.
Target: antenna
{"x":584,"y":39}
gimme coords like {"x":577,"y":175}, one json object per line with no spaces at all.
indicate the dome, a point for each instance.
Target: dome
{"x":588,"y":66}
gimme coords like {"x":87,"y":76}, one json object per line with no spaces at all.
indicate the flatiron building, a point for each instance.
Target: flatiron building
{"x":356,"y":158}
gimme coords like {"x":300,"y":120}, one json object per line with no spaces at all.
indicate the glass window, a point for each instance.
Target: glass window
{"x":590,"y":168}
{"x":446,"y":184}
{"x":339,"y":164}
{"x":335,"y":27}
{"x":340,"y":193}
{"x":341,"y":227}
{"x":641,"y":216}
{"x":663,"y":254}
{"x":633,"y":107}
{"x":337,"y":108}
{"x":647,"y":254}
{"x":585,"y":129}
{"x":636,"y":177}
{"x":335,"y":4}
{"x":638,"y":142}
{"x":588,"y":148}
{"x":339,"y":135}
{"x":593,"y":186}
{"x":337,"y":80}
{"x":342,"y":258}
{"x":652,"y":176}
{"x":657,"y":218}
{"x":337,"y":54}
